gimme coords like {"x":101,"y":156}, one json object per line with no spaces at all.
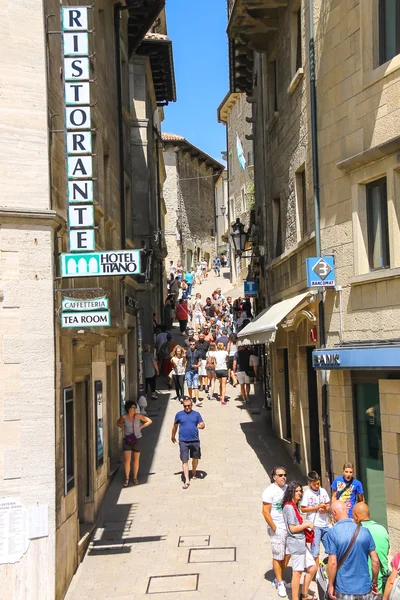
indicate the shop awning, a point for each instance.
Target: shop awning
{"x":263,"y":328}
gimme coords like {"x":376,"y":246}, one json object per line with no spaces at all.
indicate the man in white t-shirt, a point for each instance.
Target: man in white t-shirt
{"x":316,"y":504}
{"x":272,"y":512}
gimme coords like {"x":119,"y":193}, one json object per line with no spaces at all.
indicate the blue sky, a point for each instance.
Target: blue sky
{"x":200,"y":46}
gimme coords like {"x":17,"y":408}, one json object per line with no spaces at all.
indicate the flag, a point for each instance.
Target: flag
{"x":240,"y":153}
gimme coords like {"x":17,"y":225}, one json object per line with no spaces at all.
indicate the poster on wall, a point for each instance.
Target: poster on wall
{"x":122,"y":384}
{"x":98,"y":395}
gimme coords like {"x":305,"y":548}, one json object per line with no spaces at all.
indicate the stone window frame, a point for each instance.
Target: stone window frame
{"x":390,"y":169}
{"x":296,"y":70}
{"x":372,"y":71}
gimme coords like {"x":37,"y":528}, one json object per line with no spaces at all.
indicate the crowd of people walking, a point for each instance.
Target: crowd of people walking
{"x":210,"y":354}
{"x":357,"y":548}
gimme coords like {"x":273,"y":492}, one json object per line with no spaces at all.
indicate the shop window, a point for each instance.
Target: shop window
{"x":377,"y":225}
{"x":69,"y":440}
{"x":301,"y":204}
{"x":277,"y":223}
{"x":389,"y":30}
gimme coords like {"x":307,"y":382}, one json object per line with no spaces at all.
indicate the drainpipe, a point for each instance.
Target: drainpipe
{"x":117,"y":15}
{"x":321,"y":307}
{"x":228,"y":202}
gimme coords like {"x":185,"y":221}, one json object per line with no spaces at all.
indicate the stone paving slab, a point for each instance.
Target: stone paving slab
{"x":141,"y":525}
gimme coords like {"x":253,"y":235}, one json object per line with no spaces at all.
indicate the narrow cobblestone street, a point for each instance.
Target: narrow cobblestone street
{"x":147,"y":531}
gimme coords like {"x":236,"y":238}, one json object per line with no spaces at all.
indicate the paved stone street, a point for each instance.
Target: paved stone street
{"x":146,"y":534}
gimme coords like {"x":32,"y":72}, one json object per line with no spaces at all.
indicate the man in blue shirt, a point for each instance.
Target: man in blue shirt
{"x":189,"y":280}
{"x":352,"y":580}
{"x":189,"y":423}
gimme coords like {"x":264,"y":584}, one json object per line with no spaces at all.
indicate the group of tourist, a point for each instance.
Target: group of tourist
{"x":357,"y":547}
{"x":210,"y":351}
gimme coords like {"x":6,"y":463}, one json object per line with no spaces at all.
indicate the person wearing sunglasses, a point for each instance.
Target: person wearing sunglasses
{"x":272,"y":511}
{"x":189,"y":423}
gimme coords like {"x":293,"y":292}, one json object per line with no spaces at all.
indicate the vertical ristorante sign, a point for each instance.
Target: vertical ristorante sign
{"x":78,"y":130}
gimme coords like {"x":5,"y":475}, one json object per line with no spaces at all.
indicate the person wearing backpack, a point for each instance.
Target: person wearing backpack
{"x":349,"y":546}
{"x":347,"y":488}
{"x":392,"y":589}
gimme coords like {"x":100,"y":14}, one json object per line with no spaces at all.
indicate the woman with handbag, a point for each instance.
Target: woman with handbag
{"x":299,"y":534}
{"x":132,"y":424}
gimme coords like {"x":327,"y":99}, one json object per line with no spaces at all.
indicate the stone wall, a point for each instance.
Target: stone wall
{"x":189,"y":193}
{"x":26,"y":294}
{"x":239,"y":179}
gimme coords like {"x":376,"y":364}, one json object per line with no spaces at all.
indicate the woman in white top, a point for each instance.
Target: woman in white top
{"x":221,"y":369}
{"x":178,"y":359}
{"x":197,"y":308}
{"x":210,"y":369}
{"x":232,"y":349}
{"x":199,"y":274}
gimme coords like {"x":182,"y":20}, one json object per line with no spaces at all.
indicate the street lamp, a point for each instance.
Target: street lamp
{"x":239,"y":237}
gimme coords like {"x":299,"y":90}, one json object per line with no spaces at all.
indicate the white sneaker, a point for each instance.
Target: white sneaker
{"x":281,"y":589}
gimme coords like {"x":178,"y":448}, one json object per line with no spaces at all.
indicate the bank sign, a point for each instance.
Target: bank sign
{"x":78,"y":128}
{"x":250,"y":289}
{"x":320,"y":271}
{"x":97,"y":264}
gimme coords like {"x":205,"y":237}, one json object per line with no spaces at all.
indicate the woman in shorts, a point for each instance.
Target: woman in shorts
{"x":221,"y":369}
{"x":210,"y":369}
{"x":232,"y":349}
{"x":132,"y":424}
{"x":302,"y":558}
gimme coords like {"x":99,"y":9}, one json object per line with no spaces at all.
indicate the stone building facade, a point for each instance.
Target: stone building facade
{"x":221,"y":213}
{"x":64,"y":388}
{"x":340,"y":404}
{"x":236,"y":114}
{"x":189,"y":194}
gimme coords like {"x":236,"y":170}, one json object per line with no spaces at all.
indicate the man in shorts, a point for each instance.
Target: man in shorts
{"x":241,"y":366}
{"x":193,"y":363}
{"x":189,"y":423}
{"x":272,"y":512}
{"x":202,"y":346}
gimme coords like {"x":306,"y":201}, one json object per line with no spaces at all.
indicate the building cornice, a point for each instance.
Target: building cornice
{"x":369,"y":156}
{"x":226,"y":106}
{"x":23,"y":216}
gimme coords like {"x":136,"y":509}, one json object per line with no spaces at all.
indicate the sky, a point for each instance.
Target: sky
{"x":200,"y":48}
